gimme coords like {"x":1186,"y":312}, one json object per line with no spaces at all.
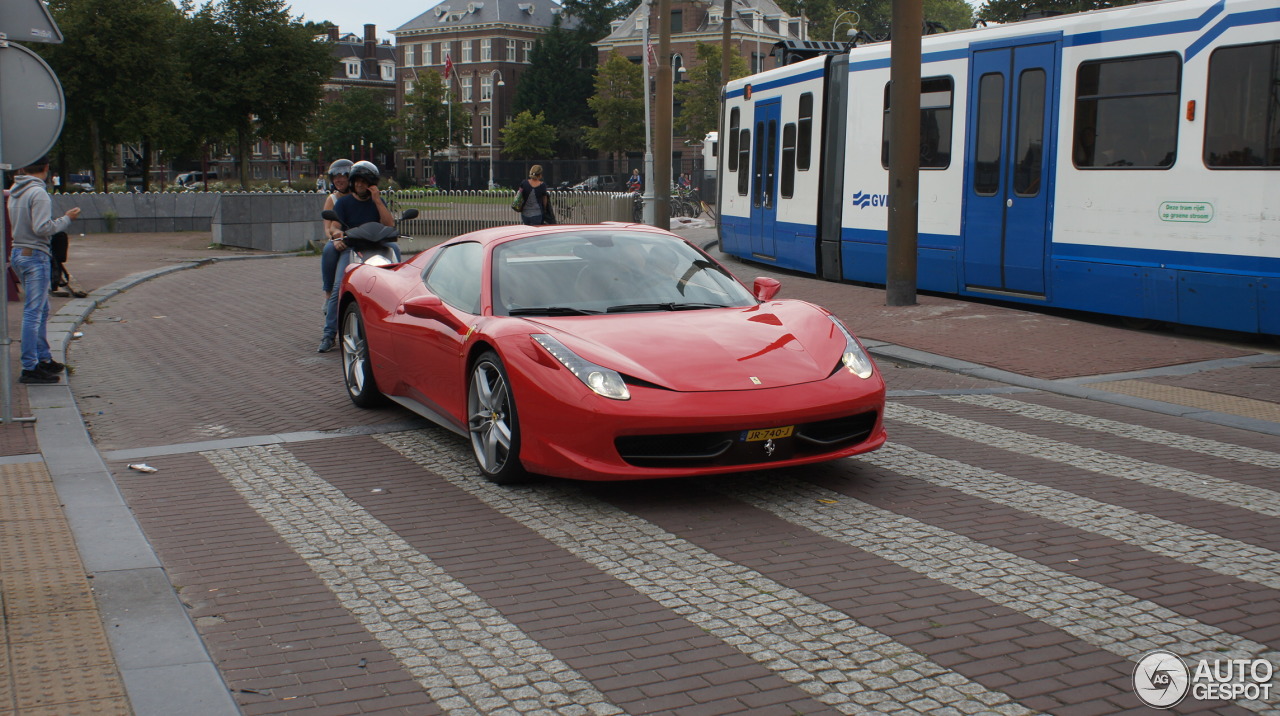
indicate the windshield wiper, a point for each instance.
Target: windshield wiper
{"x":551,"y":311}
{"x":637,"y":307}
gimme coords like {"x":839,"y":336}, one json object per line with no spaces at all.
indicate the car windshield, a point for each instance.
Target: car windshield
{"x":591,"y":272}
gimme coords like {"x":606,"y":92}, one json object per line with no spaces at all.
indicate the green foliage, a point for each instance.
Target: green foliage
{"x":528,"y":136}
{"x":700,"y":95}
{"x":359,"y":116}
{"x":873,"y":17}
{"x":594,"y":16}
{"x":619,"y":107}
{"x":1015,"y":10}
{"x":424,"y":121}
{"x":558,"y":83}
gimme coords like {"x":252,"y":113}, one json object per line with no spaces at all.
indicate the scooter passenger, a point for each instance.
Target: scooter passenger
{"x":340,"y":186}
{"x":361,"y":206}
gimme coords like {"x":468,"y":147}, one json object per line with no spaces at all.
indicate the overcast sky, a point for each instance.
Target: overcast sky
{"x":353,"y":15}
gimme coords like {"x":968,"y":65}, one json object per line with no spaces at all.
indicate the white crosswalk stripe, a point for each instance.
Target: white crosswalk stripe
{"x":1226,"y":451}
{"x":823,"y":651}
{"x":464,"y":653}
{"x":1206,"y":487}
{"x":1165,"y":537}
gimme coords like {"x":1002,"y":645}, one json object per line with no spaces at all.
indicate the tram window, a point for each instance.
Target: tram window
{"x":788,"y":160}
{"x":1127,"y":112}
{"x":935,"y":124}
{"x":1028,"y":154}
{"x":1242,"y":115}
{"x":986,"y":160}
{"x":733,"y":139}
{"x":804,"y":144}
{"x":744,"y":161}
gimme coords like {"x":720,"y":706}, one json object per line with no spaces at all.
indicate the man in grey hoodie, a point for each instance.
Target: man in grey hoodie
{"x":31,"y":212}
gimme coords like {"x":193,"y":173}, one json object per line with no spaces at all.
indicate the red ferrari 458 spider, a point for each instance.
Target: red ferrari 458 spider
{"x":606,"y":352}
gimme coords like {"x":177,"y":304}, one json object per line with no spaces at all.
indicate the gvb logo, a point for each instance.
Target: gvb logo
{"x":1162,"y":679}
{"x":863,"y":200}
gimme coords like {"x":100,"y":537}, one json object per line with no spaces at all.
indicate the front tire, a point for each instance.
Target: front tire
{"x":357,"y":369}
{"x":493,"y":423}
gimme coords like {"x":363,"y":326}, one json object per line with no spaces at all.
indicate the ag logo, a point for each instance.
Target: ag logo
{"x":1161,"y":679}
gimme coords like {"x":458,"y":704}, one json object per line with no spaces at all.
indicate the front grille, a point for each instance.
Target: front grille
{"x":726,"y":448}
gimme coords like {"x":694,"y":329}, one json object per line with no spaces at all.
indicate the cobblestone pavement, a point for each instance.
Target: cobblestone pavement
{"x":1010,"y":551}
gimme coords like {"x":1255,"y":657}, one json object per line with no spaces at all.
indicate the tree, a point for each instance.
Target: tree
{"x":257,"y":71}
{"x":359,"y":117}
{"x":528,"y":136}
{"x":872,"y":16}
{"x":121,"y":74}
{"x":594,"y":16}
{"x":699,"y":97}
{"x":1015,"y":10}
{"x":559,"y":82}
{"x":425,"y":120}
{"x":619,"y":107}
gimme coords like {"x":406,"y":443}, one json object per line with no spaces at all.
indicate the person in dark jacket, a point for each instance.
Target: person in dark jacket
{"x":31,"y":211}
{"x":537,"y":199}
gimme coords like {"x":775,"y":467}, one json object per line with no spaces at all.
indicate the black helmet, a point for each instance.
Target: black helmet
{"x":341,"y":166}
{"x":367,"y":171}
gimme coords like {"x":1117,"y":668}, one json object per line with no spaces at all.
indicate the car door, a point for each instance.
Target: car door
{"x":431,"y":351}
{"x":1008,"y":192}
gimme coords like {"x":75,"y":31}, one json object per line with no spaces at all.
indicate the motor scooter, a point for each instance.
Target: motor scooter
{"x":368,"y":242}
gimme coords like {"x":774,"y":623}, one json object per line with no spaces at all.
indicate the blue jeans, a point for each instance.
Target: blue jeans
{"x":340,"y":267}
{"x":328,"y":265}
{"x":33,"y":271}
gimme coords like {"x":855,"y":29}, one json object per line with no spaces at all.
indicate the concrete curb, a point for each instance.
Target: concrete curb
{"x":164,"y":663}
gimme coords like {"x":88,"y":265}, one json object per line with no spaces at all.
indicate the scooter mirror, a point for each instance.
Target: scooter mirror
{"x":409,"y":214}
{"x":329,"y":215}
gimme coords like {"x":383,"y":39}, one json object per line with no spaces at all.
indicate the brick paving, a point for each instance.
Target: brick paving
{"x":1011,"y":551}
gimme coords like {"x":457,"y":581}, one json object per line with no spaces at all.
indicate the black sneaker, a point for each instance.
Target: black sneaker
{"x":37,"y":377}
{"x":326,"y":345}
{"x":52,"y":367}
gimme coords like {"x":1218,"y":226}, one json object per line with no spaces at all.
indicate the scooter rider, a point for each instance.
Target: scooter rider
{"x":339,"y":186}
{"x":361,"y":206}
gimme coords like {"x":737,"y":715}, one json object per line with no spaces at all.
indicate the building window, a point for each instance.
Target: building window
{"x":528,"y":51}
{"x":466,"y":89}
{"x":275,"y":170}
{"x":410,"y":57}
{"x":353,"y":69}
{"x":757,"y":62}
{"x":388,"y":71}
{"x":1242,"y":116}
{"x":486,"y":88}
{"x":257,"y":149}
{"x":486,"y":131}
{"x":935,"y":124}
{"x":486,"y":50}
{"x":677,"y":21}
{"x":426,"y":53}
{"x":511,"y":50}
{"x":275,"y":149}
{"x":408,"y":88}
{"x":466,"y":50}
{"x":1127,"y":112}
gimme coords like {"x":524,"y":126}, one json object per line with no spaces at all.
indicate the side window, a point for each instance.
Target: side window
{"x":788,"y":160}
{"x":455,"y":276}
{"x":1028,"y":152}
{"x":1242,"y":111}
{"x":990,"y":140}
{"x":744,"y":161}
{"x":804,"y":144}
{"x":1127,"y":112}
{"x":935,"y":123}
{"x":733,"y":139}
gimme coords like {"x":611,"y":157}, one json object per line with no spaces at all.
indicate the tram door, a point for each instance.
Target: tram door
{"x":1008,"y":195}
{"x":764,"y":178}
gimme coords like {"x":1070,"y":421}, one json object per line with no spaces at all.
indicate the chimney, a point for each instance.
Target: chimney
{"x":370,"y":41}
{"x":333,"y":33}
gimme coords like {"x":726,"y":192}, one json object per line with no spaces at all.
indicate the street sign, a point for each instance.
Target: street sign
{"x":31,"y":106}
{"x":28,"y":21}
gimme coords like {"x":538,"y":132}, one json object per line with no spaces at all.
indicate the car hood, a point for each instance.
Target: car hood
{"x":774,"y":344}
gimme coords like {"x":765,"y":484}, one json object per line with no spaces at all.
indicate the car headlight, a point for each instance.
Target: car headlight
{"x":854,"y":358}
{"x":599,"y":379}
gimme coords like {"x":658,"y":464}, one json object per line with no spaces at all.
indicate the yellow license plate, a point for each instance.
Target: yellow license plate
{"x":770,"y":433}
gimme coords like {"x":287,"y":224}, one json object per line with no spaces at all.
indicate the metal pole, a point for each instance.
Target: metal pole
{"x":904,"y":153}
{"x":647,"y":212}
{"x":662,"y":162}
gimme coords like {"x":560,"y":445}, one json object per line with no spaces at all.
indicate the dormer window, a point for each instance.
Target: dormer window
{"x":526,"y":8}
{"x":388,"y":71}
{"x":441,"y":11}
{"x":474,"y":7}
{"x":353,"y":69}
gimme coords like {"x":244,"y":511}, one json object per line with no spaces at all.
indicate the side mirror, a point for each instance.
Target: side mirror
{"x":408,"y":214}
{"x":430,"y":308}
{"x":766,"y":288}
{"x":328,"y":215}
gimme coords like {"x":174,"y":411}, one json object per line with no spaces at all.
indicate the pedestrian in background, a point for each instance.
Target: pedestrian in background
{"x":31,"y":211}
{"x":537,"y":199}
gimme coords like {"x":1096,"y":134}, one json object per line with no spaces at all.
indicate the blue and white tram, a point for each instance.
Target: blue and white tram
{"x":1122,"y":161}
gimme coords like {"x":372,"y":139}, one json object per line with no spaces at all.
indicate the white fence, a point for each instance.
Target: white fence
{"x":453,"y":213}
